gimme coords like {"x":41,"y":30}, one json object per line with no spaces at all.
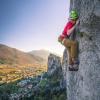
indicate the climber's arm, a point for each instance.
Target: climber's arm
{"x":73,"y":28}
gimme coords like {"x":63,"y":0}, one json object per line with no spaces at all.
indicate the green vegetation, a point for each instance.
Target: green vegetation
{"x":46,"y":89}
{"x":2,"y":61}
{"x":7,"y":89}
{"x":43,"y":83}
{"x":49,"y":89}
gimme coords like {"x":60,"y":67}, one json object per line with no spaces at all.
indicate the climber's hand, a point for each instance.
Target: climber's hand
{"x":60,"y":39}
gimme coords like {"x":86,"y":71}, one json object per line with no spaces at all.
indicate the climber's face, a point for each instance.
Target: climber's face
{"x":73,"y":21}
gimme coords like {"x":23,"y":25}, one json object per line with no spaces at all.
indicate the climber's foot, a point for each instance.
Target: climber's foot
{"x":73,"y":67}
{"x":76,"y":67}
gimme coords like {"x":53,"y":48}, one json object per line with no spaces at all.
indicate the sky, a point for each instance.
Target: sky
{"x":33,"y":24}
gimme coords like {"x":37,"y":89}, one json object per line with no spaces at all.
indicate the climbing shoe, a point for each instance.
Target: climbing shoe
{"x":76,"y":67}
{"x":72,"y":68}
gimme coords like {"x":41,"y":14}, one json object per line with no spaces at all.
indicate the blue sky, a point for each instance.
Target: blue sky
{"x":33,"y":24}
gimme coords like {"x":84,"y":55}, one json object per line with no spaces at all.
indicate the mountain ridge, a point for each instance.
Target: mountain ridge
{"x":40,"y":53}
{"x":13,"y":56}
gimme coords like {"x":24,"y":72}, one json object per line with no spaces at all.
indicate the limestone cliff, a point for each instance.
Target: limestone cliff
{"x":84,"y":84}
{"x":55,"y":69}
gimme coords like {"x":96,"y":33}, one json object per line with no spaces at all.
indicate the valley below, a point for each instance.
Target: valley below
{"x":11,"y":74}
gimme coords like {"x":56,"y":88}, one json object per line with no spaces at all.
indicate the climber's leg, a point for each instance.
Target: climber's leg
{"x":73,"y":45}
{"x":69,"y":56}
{"x":74,"y":49}
{"x":74,"y":55}
{"x":67,"y":42}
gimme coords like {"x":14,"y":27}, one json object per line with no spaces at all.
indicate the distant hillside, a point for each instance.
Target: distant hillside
{"x":41,"y":53}
{"x":13,"y":56}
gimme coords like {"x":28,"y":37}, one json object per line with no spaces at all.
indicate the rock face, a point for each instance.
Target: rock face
{"x":55,"y":69}
{"x":54,"y":65}
{"x":84,"y":84}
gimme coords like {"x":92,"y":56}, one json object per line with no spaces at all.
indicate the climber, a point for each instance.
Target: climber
{"x":67,"y":38}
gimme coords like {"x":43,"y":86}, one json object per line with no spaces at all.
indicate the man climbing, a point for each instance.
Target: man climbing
{"x":67,"y":38}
